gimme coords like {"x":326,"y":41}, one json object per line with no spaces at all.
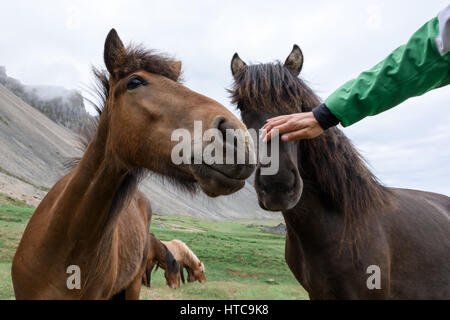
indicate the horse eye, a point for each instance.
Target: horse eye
{"x":135,"y":82}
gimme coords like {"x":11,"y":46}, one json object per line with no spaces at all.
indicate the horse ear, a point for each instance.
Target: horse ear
{"x":177,"y":67}
{"x":294,"y":61}
{"x":114,"y":52}
{"x":237,"y":65}
{"x":199,"y":263}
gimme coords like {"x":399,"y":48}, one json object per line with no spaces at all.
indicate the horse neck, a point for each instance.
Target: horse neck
{"x":190,"y":258}
{"x":83,"y":206}
{"x":339,"y":174}
{"x":340,"y":194}
{"x":313,"y":221}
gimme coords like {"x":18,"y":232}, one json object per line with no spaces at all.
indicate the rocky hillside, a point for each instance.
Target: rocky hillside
{"x":65,"y":107}
{"x":33,"y":148}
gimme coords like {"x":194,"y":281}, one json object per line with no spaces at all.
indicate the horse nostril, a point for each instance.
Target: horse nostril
{"x":291,"y":182}
{"x":222,"y":126}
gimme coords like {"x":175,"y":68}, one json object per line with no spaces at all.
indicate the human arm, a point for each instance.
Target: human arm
{"x":422,"y":64}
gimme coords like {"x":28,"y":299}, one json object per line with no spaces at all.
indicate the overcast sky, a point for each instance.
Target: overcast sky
{"x":56,"y":42}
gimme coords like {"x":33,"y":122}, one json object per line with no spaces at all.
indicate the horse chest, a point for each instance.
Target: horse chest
{"x":130,"y":239}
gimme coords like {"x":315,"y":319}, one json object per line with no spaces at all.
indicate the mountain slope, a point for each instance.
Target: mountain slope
{"x":65,"y":107}
{"x":33,"y":147}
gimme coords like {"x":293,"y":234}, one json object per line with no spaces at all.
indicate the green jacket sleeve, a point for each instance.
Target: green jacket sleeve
{"x":410,"y":70}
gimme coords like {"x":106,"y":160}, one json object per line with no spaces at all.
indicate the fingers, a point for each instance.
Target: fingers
{"x":276,"y":121}
{"x":270,"y":125}
{"x":280,"y":117}
{"x":281,"y":123}
{"x":281,"y":126}
{"x":296,"y":126}
{"x":277,"y":130}
{"x":308,"y":132}
{"x":296,"y":135}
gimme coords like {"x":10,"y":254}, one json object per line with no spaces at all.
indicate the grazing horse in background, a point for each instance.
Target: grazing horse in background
{"x":348,"y":236}
{"x":187,"y":259}
{"x":80,"y":227}
{"x":160,"y":256}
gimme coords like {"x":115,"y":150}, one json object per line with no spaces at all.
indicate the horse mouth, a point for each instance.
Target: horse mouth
{"x":215,"y":181}
{"x":173,"y":286}
{"x":279,"y":200}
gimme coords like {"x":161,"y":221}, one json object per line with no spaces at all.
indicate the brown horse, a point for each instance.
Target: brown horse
{"x":80,"y":226}
{"x":187,"y":259}
{"x":160,"y":256}
{"x":348,"y":237}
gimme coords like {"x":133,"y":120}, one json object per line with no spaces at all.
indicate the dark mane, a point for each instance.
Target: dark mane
{"x":266,"y":86}
{"x":330,"y":162}
{"x":136,"y":58}
{"x":172,"y":264}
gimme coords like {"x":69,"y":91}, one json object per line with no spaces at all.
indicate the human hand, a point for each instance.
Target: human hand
{"x":292,"y":127}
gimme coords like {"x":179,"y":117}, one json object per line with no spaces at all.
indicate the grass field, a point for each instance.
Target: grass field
{"x":14,"y":215}
{"x":241,"y":261}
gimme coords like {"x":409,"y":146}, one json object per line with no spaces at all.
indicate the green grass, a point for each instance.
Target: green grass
{"x":14,"y":215}
{"x":241,"y":261}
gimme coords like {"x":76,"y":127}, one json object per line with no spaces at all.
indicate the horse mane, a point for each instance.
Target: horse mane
{"x":330,"y":162}
{"x":136,"y":58}
{"x":190,"y":258}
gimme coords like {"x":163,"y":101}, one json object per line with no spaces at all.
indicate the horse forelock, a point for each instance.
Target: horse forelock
{"x":272,"y":88}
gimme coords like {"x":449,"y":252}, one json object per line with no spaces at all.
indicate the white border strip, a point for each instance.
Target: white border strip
{"x":443,"y":39}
